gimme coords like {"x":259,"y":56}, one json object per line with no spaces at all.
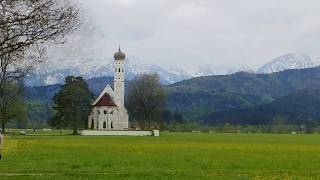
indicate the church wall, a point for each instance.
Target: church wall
{"x":108,"y":118}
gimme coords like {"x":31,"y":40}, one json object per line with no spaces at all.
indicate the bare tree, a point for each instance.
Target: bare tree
{"x":25,"y":23}
{"x":145,"y":99}
{"x":26,"y":27}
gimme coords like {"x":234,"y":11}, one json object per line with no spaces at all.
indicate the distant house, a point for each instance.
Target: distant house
{"x":108,"y":112}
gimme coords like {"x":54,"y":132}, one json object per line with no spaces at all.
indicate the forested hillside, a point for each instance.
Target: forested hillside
{"x":302,"y":107}
{"x":200,"y":96}
{"x":242,"y":97}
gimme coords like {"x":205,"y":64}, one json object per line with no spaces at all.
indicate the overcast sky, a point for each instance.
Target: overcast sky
{"x":192,"y":33}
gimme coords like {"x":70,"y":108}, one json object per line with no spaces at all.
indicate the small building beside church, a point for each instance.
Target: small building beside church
{"x":108,"y":112}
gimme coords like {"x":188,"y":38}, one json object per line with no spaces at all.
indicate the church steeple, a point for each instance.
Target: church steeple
{"x":119,"y":55}
{"x":119,"y":78}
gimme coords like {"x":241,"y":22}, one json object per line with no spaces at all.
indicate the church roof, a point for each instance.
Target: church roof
{"x":105,"y":100}
{"x":108,"y":89}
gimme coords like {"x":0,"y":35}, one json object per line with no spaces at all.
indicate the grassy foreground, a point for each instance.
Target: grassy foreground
{"x":171,"y":156}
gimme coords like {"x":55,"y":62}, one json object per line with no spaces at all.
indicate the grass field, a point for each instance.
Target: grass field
{"x":171,"y":156}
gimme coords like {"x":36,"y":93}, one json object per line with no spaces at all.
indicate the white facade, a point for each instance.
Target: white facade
{"x":108,"y":112}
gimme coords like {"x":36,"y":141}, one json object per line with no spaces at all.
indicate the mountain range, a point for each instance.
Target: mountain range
{"x":246,"y":98}
{"x":54,"y":72}
{"x":199,"y":97}
{"x":49,"y":73}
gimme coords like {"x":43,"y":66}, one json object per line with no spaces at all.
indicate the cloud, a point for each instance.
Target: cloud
{"x":192,"y":33}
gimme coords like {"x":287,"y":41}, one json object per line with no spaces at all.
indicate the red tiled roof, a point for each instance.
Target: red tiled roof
{"x":105,"y":100}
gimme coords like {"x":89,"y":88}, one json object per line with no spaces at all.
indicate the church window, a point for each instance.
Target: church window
{"x":105,"y":112}
{"x":92,"y":124}
{"x":119,"y":69}
{"x":111,"y":125}
{"x":104,"y":125}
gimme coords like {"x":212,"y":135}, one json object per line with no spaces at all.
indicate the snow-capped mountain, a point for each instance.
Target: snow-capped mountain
{"x":85,"y":54}
{"x":288,"y":61}
{"x":54,"y":72}
{"x":219,"y":70}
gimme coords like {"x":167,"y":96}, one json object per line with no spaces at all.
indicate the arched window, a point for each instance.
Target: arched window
{"x":119,"y":69}
{"x":122,"y":70}
{"x":111,"y":125}
{"x":104,"y":125}
{"x":105,"y":112}
{"x":92,"y":124}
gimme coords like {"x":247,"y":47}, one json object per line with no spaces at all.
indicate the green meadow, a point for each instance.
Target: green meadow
{"x":171,"y":156}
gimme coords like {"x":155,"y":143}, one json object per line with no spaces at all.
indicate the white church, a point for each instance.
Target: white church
{"x":108,"y":112}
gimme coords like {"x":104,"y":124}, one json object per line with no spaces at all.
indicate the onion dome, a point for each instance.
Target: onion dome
{"x":119,"y":55}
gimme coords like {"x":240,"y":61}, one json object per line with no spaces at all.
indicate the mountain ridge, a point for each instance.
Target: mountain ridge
{"x":52,"y":73}
{"x":287,"y":61}
{"x":194,"y":98}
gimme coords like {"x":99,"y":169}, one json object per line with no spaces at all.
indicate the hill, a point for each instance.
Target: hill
{"x":301,"y":107}
{"x":203,"y":98}
{"x":200,"y":96}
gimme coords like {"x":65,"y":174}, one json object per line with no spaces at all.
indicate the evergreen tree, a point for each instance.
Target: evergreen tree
{"x":72,"y":104}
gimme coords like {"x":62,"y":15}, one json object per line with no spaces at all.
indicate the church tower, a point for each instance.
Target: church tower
{"x":119,"y":58}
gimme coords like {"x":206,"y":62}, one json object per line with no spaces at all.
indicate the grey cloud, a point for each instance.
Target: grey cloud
{"x":192,"y":33}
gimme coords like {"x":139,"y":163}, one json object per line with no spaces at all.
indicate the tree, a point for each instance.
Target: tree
{"x":38,"y":113}
{"x":26,"y":27}
{"x":177,"y":117}
{"x":145,"y":99}
{"x":28,"y":23}
{"x":12,"y":105}
{"x":72,"y":104}
{"x":166,"y":116}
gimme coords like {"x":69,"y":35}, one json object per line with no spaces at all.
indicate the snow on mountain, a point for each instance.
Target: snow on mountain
{"x":219,"y":70}
{"x":316,"y":62}
{"x":53,"y":72}
{"x":288,"y":61}
{"x":85,"y":53}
